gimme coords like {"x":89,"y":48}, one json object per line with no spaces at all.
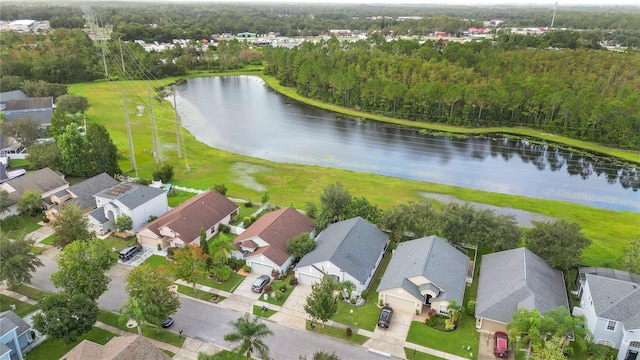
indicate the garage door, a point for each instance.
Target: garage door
{"x":400,"y":304}
{"x":259,"y":268}
{"x":307,"y":279}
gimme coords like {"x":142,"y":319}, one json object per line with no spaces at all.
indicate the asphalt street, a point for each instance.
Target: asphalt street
{"x":210,"y":323}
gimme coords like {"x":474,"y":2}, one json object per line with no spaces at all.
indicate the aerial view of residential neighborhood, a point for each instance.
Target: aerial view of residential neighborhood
{"x":199,"y":180}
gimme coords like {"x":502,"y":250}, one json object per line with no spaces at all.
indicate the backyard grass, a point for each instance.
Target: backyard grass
{"x":37,"y":250}
{"x":365,"y":316}
{"x":54,"y":349}
{"x":257,"y":310}
{"x":296,"y":185}
{"x":412,"y":354}
{"x":48,"y":240}
{"x":29,"y":291}
{"x":149,"y":331}
{"x":22,"y":308}
{"x":244,"y":211}
{"x":177,"y":197}
{"x":338,"y":333}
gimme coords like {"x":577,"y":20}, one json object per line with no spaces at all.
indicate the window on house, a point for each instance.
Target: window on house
{"x":605,"y":343}
{"x":611,"y":325}
{"x":634,"y":344}
{"x":443,"y":309}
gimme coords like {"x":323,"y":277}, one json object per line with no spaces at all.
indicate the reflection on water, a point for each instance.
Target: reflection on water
{"x":241,"y":115}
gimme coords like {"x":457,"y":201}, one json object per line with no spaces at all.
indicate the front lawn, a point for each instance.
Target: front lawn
{"x":149,"y":331}
{"x":199,"y":294}
{"x":453,"y":342}
{"x":365,"y":316}
{"x":30,"y":292}
{"x":412,"y":354}
{"x":37,"y":250}
{"x":22,"y":308}
{"x":48,"y":240}
{"x":257,"y":310}
{"x":156,"y":261}
{"x":338,"y":333}
{"x":114,"y":242}
{"x":280,"y":296}
{"x":54,"y":349}
{"x":227,"y":286}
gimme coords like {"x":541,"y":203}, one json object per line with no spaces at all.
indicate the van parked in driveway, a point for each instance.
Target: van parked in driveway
{"x":130,"y":251}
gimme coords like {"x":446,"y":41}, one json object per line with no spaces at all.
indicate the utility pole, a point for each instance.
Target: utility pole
{"x":156,"y":149}
{"x":175,"y":111}
{"x":121,"y":57}
{"x":553,"y":19}
{"x":104,"y":62}
{"x":126,"y":117}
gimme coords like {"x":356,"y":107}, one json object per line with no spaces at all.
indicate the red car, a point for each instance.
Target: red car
{"x":501,"y":345}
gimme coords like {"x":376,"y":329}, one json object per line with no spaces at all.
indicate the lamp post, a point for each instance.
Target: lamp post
{"x":351,"y":312}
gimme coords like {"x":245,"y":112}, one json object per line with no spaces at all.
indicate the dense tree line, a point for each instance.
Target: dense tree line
{"x":584,"y":94}
{"x":63,"y":56}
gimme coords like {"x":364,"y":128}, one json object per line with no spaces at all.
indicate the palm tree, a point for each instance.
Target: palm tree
{"x":222,"y":248}
{"x":454,"y":310}
{"x":249,"y":333}
{"x":526,"y":329}
{"x":133,"y":310}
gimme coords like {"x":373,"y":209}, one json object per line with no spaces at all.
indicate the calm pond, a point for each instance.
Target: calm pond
{"x":241,"y":114}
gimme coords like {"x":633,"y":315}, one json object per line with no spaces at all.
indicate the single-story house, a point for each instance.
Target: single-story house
{"x":181,"y":225}
{"x":15,"y":335}
{"x":347,"y":250}
{"x":138,"y":202}
{"x":611,"y":307}
{"x":514,"y":279}
{"x":263,"y":245}
{"x":81,"y":194}
{"x":45,"y":180}
{"x":424,"y":272}
{"x":119,"y":348}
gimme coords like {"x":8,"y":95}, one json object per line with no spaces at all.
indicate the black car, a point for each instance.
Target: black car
{"x":260,"y":283}
{"x":385,"y":317}
{"x":168,"y":322}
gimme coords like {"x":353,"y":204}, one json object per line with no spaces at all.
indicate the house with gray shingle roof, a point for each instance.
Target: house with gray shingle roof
{"x":347,"y":250}
{"x":263,"y":245}
{"x":181,"y":225}
{"x":514,"y":279}
{"x":45,"y":180}
{"x":14,"y":335}
{"x":138,"y":202}
{"x":424,"y":272}
{"x":81,"y":194}
{"x":611,"y":307}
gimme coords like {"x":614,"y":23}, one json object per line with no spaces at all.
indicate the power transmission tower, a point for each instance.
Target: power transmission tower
{"x":553,"y":19}
{"x":156,"y":149}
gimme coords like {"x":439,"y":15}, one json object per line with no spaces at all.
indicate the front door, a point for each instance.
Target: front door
{"x":631,"y":355}
{"x":427,"y":300}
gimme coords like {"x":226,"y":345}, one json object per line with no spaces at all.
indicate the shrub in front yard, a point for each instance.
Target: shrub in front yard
{"x":349,"y":331}
{"x":471,"y":307}
{"x":439,"y":322}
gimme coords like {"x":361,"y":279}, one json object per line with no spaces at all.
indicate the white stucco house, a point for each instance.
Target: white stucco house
{"x":263,"y":245}
{"x":15,"y":335}
{"x":347,"y":250}
{"x":611,"y":306}
{"x":138,"y":202}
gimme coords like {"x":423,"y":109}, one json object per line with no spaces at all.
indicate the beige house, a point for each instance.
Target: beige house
{"x":119,"y":348}
{"x":182,"y":224}
{"x":424,"y":273}
{"x":44,"y":180}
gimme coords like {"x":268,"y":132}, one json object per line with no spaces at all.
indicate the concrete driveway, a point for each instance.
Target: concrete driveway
{"x":292,"y":311}
{"x":140,"y":257}
{"x":242,"y":298}
{"x":392,"y":339}
{"x":485,"y":348}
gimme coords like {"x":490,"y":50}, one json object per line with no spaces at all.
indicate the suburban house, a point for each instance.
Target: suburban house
{"x":80,"y":194}
{"x":15,"y":335}
{"x":119,"y":348}
{"x":581,"y":276}
{"x":424,"y":272}
{"x":263,"y":245}
{"x":347,"y":250}
{"x":45,"y":180}
{"x":182,"y":224}
{"x":138,"y":202}
{"x":514,"y":279}
{"x":610,"y":303}
{"x":18,"y":108}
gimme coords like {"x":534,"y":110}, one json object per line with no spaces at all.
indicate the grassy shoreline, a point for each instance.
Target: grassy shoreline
{"x":292,"y":184}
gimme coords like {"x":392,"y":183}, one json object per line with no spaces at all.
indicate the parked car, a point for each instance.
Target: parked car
{"x":168,"y":322}
{"x":260,"y":283}
{"x":130,"y":251}
{"x":385,"y":317}
{"x":501,"y":345}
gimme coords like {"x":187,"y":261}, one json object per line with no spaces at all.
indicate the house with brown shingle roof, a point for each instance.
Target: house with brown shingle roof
{"x":263,"y":245}
{"x":181,"y":225}
{"x":47,"y":181}
{"x":119,"y":348}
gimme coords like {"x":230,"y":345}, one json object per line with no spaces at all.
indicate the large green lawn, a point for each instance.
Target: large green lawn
{"x":149,"y":331}
{"x":295,"y":185}
{"x":54,"y":349}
